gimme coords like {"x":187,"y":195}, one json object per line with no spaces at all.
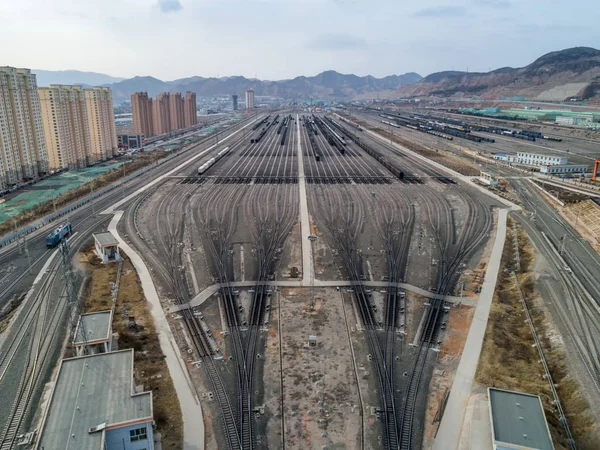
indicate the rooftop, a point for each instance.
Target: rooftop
{"x":106,"y":239}
{"x":96,"y":326}
{"x":518,"y":421}
{"x":90,"y":391}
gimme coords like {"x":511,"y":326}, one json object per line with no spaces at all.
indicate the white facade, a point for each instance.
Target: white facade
{"x":250,"y":99}
{"x":488,"y":178}
{"x":566,"y":120}
{"x":504,"y":157}
{"x":23,"y":153}
{"x":564,"y":169}
{"x":538,"y":160}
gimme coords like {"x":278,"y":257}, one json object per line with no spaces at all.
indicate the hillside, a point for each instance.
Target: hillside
{"x":556,"y":76}
{"x":326,"y":85}
{"x":47,"y":77}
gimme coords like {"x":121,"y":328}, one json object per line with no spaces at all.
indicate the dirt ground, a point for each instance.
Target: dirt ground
{"x":320,"y":395}
{"x":150,"y":367}
{"x":509,"y":360}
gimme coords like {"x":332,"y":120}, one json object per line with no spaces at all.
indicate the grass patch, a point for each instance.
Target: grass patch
{"x":150,"y":366}
{"x":510,"y":361}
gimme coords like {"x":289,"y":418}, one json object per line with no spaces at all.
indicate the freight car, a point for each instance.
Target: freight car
{"x":58,"y":234}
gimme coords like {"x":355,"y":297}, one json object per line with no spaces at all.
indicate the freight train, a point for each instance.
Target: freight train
{"x":208,"y":164}
{"x":58,"y":234}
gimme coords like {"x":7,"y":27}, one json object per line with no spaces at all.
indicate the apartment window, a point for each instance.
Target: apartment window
{"x":139,"y":434}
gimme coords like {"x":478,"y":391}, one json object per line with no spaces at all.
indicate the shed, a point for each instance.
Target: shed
{"x":518,"y":421}
{"x":107,"y":247}
{"x":94,"y":330}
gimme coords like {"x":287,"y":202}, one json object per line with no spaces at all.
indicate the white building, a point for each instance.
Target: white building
{"x":564,"y":169}
{"x":94,"y":406}
{"x":488,"y":179}
{"x":93,"y":334}
{"x":107,"y":247}
{"x":503,"y":157}
{"x":23,"y":153}
{"x":537,"y":160}
{"x":566,"y":120}
{"x":250,"y":98}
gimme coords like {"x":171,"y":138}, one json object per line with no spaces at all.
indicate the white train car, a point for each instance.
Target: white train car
{"x":208,"y":164}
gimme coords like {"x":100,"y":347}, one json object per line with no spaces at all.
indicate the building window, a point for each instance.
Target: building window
{"x":139,"y":434}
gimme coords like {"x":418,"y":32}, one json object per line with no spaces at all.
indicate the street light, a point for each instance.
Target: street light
{"x":312,"y":238}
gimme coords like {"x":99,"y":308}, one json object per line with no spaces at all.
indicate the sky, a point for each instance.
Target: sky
{"x":281,"y":39}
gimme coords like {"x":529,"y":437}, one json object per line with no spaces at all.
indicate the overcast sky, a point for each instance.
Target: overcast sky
{"x":277,"y":39}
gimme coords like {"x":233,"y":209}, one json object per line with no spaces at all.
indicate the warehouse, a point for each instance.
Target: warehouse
{"x":95,"y":406}
{"x":518,"y":421}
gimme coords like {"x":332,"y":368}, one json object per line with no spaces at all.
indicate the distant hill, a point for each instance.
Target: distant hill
{"x":47,"y":77}
{"x":556,"y":76}
{"x":326,"y":85}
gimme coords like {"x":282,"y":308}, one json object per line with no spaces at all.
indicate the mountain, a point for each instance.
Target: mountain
{"x":556,"y":76}
{"x":47,"y":77}
{"x":326,"y":85}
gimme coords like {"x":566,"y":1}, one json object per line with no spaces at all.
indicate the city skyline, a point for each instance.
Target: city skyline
{"x":341,"y":35}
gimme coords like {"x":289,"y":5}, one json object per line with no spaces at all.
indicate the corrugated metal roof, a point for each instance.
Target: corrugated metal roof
{"x":519,"y":419}
{"x":97,"y":326}
{"x":89,"y":391}
{"x":106,"y":238}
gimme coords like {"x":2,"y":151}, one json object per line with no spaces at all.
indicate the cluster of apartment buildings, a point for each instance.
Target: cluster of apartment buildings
{"x":167,"y":112}
{"x":51,"y":128}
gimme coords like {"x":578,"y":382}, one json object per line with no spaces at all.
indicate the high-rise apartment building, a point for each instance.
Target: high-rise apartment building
{"x":66,"y":129}
{"x":250,"y":98}
{"x":22,"y":146}
{"x":101,"y":120}
{"x":234,"y":97}
{"x":176,"y":111}
{"x":141,"y":107}
{"x":190,"y":116}
{"x":161,"y":113}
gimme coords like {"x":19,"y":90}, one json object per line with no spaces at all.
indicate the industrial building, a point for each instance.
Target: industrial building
{"x":95,"y":405}
{"x":93,"y":334}
{"x":536,"y":159}
{"x":503,"y":157}
{"x":66,"y":128}
{"x":564,"y":169}
{"x":250,"y":98}
{"x":518,"y":421}
{"x":23,"y":155}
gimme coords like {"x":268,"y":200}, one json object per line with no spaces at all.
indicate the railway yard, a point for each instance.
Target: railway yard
{"x":309,"y":269}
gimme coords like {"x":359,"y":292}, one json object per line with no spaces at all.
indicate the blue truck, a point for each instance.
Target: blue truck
{"x":58,"y":234}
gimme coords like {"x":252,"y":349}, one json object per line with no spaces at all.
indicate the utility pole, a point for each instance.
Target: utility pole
{"x":77,"y":334}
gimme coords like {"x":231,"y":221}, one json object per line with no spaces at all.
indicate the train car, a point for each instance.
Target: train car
{"x":58,"y":234}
